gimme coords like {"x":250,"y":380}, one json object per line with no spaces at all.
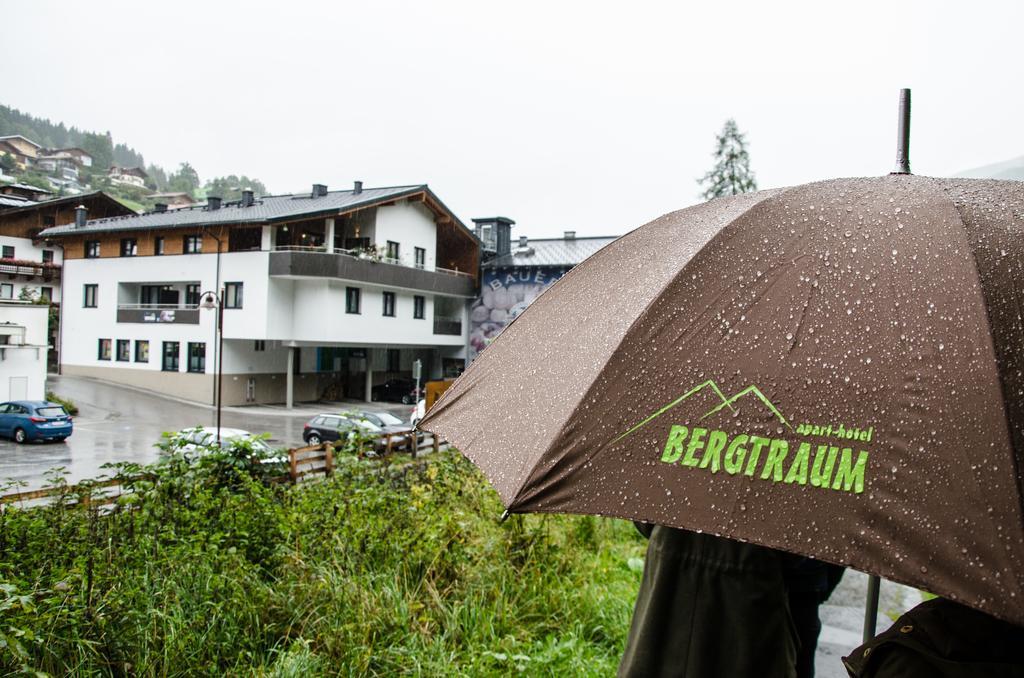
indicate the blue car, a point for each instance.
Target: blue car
{"x":26,"y":420}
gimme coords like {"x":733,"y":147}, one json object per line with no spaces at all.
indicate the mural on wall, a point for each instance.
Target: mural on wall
{"x":505,"y":294}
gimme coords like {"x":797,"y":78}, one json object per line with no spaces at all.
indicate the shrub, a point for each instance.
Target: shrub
{"x":382,"y":569}
{"x":68,"y":404}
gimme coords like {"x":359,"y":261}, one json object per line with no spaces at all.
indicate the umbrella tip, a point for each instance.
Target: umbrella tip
{"x":903,"y":137}
{"x":504,"y":516}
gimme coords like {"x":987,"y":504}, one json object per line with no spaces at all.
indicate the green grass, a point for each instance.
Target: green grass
{"x":380,"y":570}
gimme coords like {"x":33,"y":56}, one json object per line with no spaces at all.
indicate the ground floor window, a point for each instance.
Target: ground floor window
{"x":6,"y":291}
{"x":124,"y":350}
{"x":171,"y":351}
{"x":104,"y":349}
{"x":259,"y":345}
{"x":141,"y":351}
{"x":197,"y":357}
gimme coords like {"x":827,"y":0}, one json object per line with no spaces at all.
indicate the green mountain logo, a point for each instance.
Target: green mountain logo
{"x":726,"y":402}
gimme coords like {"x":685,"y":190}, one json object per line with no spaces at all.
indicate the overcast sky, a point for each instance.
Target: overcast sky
{"x":589,"y":116}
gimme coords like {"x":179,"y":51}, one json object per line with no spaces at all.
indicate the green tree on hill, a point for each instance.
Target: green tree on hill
{"x":731,"y":173}
{"x":185,"y":180}
{"x":231,"y":187}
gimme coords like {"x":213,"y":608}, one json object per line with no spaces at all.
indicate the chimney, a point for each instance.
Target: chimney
{"x":247,"y":199}
{"x":523,"y":241}
{"x":357,"y":188}
{"x":159,"y":208}
{"x":319,"y":190}
{"x":81,"y":216}
{"x":570,"y":235}
{"x":212,"y":203}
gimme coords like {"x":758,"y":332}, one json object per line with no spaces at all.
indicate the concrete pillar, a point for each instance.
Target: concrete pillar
{"x":267,"y":239}
{"x":290,"y":380}
{"x":329,"y":234}
{"x":369,"y":378}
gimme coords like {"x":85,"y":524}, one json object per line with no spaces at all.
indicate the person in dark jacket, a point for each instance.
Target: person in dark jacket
{"x":942,"y":639}
{"x":710,"y":607}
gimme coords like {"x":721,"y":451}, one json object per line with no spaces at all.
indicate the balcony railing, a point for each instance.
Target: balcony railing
{"x":318,"y":262}
{"x":174,"y":314}
{"x":30,"y":269}
{"x":367,"y":256}
{"x":452,"y":326}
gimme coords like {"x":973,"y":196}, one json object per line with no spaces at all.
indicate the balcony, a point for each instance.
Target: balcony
{"x":29,"y":269}
{"x":164,"y":314}
{"x":452,"y":326}
{"x":316,"y":262}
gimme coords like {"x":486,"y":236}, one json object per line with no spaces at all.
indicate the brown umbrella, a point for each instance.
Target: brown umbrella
{"x":834,"y":369}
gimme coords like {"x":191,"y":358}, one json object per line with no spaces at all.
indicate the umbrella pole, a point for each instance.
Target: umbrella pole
{"x":903,"y":135}
{"x":871,"y":609}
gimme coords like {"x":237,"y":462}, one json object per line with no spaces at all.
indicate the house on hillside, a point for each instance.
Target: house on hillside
{"x":22,"y":192}
{"x":23,"y":150}
{"x":513,"y":276}
{"x":326,"y":293}
{"x":131,"y":176}
{"x":78,"y":156}
{"x":173,"y":201}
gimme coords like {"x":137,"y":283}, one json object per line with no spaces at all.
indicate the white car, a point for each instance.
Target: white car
{"x":418,"y":412}
{"x":203,"y":437}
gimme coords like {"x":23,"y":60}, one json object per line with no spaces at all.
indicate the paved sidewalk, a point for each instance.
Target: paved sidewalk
{"x":842,"y":619}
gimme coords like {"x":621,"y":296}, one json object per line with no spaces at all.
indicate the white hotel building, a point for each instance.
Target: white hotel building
{"x":324,"y":294}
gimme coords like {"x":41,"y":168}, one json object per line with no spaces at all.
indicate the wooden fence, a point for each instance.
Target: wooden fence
{"x":303,"y":462}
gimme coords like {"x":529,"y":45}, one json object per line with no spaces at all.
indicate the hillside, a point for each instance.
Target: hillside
{"x":106,"y":153}
{"x":1008,"y":169}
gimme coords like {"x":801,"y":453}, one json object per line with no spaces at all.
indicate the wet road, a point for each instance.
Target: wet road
{"x":117,"y":424}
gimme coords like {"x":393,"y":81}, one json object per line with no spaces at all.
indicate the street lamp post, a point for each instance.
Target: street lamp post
{"x":213,"y":300}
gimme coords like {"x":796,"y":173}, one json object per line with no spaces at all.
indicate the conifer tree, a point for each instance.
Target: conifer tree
{"x":731,"y":173}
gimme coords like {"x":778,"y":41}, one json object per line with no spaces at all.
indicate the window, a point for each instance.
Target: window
{"x":232,"y":295}
{"x":92,"y":249}
{"x":392,"y":250}
{"x":351,"y":300}
{"x":419,"y":307}
{"x":8,"y":252}
{"x":104,"y":349}
{"x":421,"y":257}
{"x":192,"y":295}
{"x":197,"y":357}
{"x":259,"y":345}
{"x":171,"y":350}
{"x":46,"y":293}
{"x":158,"y":245}
{"x":47,"y":256}
{"x":192,"y":244}
{"x":6,"y":291}
{"x":89,"y":294}
{"x":394,"y":360}
{"x":389,"y":304}
{"x":129,"y":247}
{"x":141,"y":351}
{"x":124,"y":350}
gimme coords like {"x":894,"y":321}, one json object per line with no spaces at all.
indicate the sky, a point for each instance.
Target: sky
{"x":588,"y":116}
